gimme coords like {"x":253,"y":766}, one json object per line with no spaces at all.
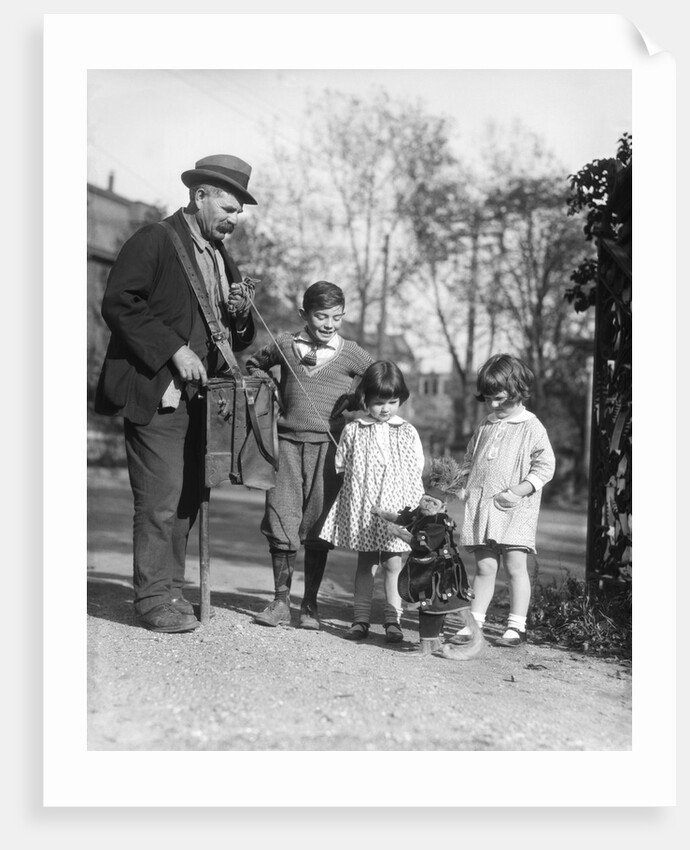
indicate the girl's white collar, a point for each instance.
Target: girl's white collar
{"x":368,"y":420}
{"x":523,"y":416}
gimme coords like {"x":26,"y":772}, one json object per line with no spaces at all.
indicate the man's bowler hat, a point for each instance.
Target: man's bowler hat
{"x":230,"y":172}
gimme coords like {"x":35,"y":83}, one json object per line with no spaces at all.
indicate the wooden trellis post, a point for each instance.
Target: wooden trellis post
{"x":609,"y":529}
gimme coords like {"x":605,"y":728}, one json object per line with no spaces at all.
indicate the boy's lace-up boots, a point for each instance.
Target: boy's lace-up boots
{"x":278,"y":612}
{"x":314,"y":567}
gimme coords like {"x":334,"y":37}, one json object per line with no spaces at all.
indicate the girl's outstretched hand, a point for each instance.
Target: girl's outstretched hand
{"x":399,"y":531}
{"x":387,"y":515}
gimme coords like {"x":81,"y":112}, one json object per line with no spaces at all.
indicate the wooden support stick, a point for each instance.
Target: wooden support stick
{"x":204,"y":561}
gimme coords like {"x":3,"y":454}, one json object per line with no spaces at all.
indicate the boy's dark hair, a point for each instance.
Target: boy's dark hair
{"x":504,"y":373}
{"x":322,"y":295}
{"x":384,"y":380}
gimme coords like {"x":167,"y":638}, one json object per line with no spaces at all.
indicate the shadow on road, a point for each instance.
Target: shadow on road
{"x":110,"y":597}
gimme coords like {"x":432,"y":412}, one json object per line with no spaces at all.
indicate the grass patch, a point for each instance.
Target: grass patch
{"x":576,"y":615}
{"x":582,"y":616}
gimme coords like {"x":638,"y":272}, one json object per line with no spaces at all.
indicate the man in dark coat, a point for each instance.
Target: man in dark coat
{"x":159,"y":353}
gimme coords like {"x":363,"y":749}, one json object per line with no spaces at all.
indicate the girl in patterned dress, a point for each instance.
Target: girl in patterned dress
{"x":381,"y":458}
{"x":508,"y":460}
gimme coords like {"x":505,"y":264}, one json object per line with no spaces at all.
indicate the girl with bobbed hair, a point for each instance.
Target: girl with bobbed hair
{"x":381,"y":458}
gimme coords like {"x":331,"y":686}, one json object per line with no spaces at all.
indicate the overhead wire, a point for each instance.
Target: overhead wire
{"x":226,"y":103}
{"x":128,"y":168}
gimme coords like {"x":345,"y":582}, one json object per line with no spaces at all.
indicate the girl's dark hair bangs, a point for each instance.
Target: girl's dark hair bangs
{"x":504,"y":373}
{"x":383,"y":380}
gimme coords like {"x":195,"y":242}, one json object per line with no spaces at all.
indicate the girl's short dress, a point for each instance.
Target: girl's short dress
{"x":382,"y":464}
{"x":501,"y":453}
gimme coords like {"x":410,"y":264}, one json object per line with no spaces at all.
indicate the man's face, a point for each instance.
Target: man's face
{"x":217,"y":214}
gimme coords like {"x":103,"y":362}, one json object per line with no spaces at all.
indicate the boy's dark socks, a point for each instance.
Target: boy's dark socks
{"x":283,"y":568}
{"x":314,"y":568}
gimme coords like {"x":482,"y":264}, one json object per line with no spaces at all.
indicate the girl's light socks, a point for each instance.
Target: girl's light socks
{"x":516,"y":625}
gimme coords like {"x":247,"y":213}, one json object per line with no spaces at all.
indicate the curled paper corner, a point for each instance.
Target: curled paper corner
{"x":641,"y":40}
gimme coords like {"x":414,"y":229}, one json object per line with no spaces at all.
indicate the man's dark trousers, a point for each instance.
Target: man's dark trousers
{"x":164,"y":460}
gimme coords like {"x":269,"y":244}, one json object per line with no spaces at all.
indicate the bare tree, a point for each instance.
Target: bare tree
{"x":533,"y":253}
{"x":362,"y":160}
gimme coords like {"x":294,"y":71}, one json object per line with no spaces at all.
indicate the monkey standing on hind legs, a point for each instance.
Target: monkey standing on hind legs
{"x":434,"y":574}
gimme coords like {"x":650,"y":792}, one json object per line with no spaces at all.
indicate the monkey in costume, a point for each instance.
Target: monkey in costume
{"x":434,"y":574}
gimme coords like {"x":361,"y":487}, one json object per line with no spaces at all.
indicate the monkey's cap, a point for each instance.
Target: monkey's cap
{"x":445,"y":477}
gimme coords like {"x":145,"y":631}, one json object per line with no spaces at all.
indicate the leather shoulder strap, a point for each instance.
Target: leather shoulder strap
{"x":218,"y":334}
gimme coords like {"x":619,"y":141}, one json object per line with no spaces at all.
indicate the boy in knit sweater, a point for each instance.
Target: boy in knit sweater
{"x":317,"y":369}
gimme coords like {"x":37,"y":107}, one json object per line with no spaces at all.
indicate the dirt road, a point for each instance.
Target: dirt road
{"x":234,"y":685}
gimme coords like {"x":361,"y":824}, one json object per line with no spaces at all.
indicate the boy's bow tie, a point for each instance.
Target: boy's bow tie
{"x":309,"y":359}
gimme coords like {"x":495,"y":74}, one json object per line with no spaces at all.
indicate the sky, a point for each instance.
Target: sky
{"x":147,"y":126}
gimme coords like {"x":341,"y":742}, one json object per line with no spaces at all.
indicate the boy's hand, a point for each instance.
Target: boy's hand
{"x":351,"y":415}
{"x":259,"y":373}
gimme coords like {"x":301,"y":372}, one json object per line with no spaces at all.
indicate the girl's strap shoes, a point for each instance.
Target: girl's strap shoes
{"x":357,"y":631}
{"x":393,"y":633}
{"x":512,"y":637}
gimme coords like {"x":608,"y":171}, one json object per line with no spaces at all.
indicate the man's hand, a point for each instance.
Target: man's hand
{"x":240,"y":296}
{"x":188,"y":365}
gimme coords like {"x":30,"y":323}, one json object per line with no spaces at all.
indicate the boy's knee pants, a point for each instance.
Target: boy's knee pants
{"x":305,"y":489}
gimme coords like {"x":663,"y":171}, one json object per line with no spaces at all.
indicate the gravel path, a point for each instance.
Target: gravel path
{"x":234,"y":685}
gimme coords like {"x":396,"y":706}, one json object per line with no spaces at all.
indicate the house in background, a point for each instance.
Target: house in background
{"x":430,"y":406}
{"x":110,"y":221}
{"x":393,"y":346}
{"x":434,"y":412}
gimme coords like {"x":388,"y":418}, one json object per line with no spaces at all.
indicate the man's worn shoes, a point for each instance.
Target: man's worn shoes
{"x":179,"y":603}
{"x":275,"y":614}
{"x":309,"y":616}
{"x":166,"y":618}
